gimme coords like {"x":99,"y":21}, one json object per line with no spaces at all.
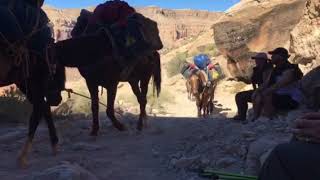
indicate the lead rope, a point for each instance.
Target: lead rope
{"x":70,"y":91}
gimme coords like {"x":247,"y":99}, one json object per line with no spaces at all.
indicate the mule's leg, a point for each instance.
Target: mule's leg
{"x":211,"y":105}
{"x":205,"y":109}
{"x":33,"y":124}
{"x":188,"y":90}
{"x":136,"y":90}
{"x":143,"y":103}
{"x":198,"y":103}
{"x":52,"y":129}
{"x":94,"y":94}
{"x":112,"y":91}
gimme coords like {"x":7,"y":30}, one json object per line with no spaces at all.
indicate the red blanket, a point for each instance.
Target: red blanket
{"x":111,"y":12}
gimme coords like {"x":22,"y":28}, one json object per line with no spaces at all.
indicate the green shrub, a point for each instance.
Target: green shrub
{"x":78,"y":105}
{"x":15,"y":108}
{"x":153,"y":101}
{"x":209,"y":49}
{"x":175,"y":65}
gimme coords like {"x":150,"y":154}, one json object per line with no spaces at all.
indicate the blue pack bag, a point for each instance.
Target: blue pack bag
{"x":201,"y":61}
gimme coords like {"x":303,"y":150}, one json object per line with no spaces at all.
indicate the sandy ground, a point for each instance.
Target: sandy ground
{"x":174,"y":145}
{"x":115,"y":155}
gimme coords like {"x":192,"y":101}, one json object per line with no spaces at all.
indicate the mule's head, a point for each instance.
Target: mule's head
{"x":6,"y":64}
{"x":56,"y":80}
{"x":150,"y":31}
{"x":56,"y":84}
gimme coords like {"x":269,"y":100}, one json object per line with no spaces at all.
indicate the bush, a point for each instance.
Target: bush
{"x":77,"y":105}
{"x":15,"y":108}
{"x":209,"y":49}
{"x":153,"y":101}
{"x":175,"y":65}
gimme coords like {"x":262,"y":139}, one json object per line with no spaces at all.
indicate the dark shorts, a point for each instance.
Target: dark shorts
{"x":284,"y":102}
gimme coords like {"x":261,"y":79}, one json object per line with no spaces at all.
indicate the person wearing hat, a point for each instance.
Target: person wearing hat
{"x":282,"y":92}
{"x":260,"y":73}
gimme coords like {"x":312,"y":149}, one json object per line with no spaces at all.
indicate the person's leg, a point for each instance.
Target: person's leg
{"x":294,"y":161}
{"x":242,"y":99}
{"x":284,"y":103}
{"x":268,"y":108}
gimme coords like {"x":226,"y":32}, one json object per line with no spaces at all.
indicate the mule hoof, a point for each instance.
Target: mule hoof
{"x":55,"y":149}
{"x":94,"y":133}
{"x":139,"y":127}
{"x":120,"y":127}
{"x":22,"y":162}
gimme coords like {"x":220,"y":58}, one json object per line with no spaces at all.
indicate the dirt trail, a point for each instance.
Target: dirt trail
{"x":172,"y":148}
{"x":113,"y":155}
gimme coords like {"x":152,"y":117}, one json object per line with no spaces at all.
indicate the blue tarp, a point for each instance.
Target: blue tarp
{"x":201,"y":61}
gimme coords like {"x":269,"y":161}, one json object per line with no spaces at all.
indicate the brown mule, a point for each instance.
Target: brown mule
{"x":104,"y":70}
{"x":108,"y":71}
{"x":207,"y":99}
{"x":138,"y":79}
{"x":196,"y":89}
{"x":203,"y":94}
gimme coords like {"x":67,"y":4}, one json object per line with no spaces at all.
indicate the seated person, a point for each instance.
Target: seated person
{"x":282,"y":92}
{"x":298,"y":159}
{"x":260,"y":73}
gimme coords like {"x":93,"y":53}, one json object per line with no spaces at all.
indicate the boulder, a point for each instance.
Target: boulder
{"x":252,"y":26}
{"x":305,"y":37}
{"x":65,"y":171}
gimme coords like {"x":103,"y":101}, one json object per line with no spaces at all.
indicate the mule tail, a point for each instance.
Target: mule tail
{"x":156,"y":73}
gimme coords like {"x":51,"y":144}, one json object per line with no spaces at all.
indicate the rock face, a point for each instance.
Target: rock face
{"x":305,"y":38}
{"x":63,"y":21}
{"x":177,"y":25}
{"x":252,"y":26}
{"x":174,"y":25}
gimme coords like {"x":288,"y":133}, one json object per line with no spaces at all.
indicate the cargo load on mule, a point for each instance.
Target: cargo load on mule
{"x":131,"y":33}
{"x":202,"y":62}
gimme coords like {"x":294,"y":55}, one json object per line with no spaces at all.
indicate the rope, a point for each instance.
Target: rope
{"x":21,"y":53}
{"x":70,"y":91}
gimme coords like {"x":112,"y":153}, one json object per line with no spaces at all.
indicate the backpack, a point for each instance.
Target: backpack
{"x":187,"y":70}
{"x":215,"y":71}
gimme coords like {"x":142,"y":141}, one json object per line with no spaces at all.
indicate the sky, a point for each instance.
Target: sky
{"x":210,"y":5}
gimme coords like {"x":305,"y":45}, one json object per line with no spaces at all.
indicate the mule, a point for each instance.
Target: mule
{"x":203,"y":95}
{"x":105,"y":70}
{"x":207,"y":99}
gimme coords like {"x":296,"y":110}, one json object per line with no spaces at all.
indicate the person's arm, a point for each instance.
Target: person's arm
{"x":307,"y":128}
{"x":286,"y":78}
{"x":266,"y":77}
{"x":254,"y":78}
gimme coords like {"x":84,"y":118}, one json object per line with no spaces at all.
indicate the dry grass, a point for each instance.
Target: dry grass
{"x":174,"y":65}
